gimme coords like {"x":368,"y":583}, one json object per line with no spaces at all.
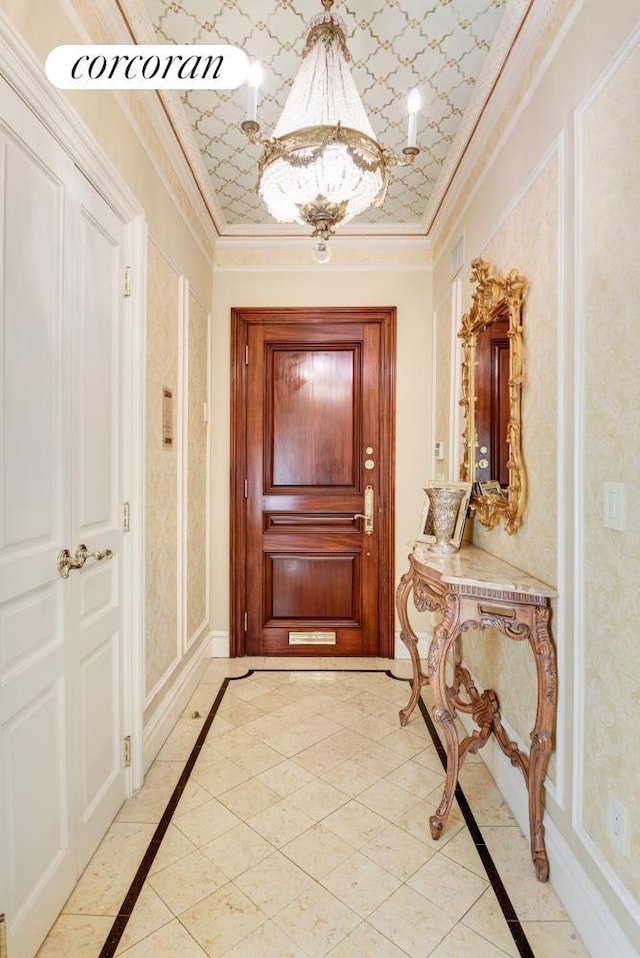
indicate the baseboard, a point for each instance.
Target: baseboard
{"x":219,"y":645}
{"x":172,"y":705}
{"x":599,"y":930}
{"x":601,"y":933}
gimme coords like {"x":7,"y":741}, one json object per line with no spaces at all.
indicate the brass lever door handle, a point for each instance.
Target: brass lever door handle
{"x":367,"y":515}
{"x":66,"y":562}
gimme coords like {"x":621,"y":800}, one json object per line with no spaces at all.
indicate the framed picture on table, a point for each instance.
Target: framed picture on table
{"x":491,"y":488}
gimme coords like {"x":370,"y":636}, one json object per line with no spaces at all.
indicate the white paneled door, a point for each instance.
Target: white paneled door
{"x":62,"y":776}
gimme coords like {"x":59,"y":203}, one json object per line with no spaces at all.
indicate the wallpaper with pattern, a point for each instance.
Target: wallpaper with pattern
{"x":527,"y":241}
{"x":574,"y":235}
{"x":443,"y":386}
{"x":161,"y":470}
{"x":557,"y":12}
{"x":611,"y":440}
{"x":443,"y":47}
{"x":197,"y":474}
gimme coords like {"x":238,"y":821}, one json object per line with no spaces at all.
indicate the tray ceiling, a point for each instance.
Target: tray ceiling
{"x":451,"y":50}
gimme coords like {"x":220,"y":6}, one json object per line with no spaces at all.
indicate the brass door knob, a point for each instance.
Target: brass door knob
{"x":66,"y":562}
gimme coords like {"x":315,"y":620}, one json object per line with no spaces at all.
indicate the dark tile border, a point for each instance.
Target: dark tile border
{"x":509,"y":912}
{"x":130,"y":899}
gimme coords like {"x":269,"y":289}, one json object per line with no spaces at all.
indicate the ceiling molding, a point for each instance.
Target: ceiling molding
{"x":107,"y":21}
{"x":291,"y":231}
{"x":314,"y":268}
{"x":485,"y":93}
{"x":351,"y":254}
{"x":502,"y":113}
{"x":338,"y":242}
{"x":166,"y":127}
{"x":393,"y":48}
{"x":141,"y":29}
{"x":22,"y":69}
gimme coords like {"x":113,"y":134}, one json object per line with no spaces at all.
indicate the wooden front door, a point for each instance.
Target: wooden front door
{"x":312,"y":453}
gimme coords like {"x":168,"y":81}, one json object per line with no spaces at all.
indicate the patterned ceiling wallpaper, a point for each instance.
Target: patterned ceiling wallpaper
{"x":442,"y":47}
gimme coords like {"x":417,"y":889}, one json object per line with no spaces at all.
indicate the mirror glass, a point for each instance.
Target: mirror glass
{"x":492,"y":375}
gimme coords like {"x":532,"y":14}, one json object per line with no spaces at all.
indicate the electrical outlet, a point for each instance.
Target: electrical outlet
{"x":617,"y":823}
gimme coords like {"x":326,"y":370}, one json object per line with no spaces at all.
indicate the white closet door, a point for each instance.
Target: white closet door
{"x":95,"y":617}
{"x":61,"y":778}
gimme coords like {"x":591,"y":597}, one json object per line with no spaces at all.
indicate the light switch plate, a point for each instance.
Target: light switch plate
{"x":613,"y":506}
{"x":439,"y":449}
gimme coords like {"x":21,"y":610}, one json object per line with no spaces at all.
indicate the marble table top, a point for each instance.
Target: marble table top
{"x":474,"y":567}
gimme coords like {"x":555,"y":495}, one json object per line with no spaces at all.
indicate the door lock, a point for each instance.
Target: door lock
{"x":367,"y":515}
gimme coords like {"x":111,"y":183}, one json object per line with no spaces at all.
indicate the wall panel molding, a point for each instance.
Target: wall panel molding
{"x":583,"y":702}
{"x":553,"y":153}
{"x":162,"y":472}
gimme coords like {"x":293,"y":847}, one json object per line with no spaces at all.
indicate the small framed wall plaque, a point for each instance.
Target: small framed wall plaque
{"x":167,"y":417}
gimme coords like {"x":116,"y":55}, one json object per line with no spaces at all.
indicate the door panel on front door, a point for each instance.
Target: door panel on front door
{"x":335,"y":588}
{"x":313,"y":398}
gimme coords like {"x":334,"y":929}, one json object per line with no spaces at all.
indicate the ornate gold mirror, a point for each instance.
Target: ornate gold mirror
{"x":492,"y":375}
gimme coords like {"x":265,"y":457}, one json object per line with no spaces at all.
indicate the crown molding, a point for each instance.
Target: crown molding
{"x":141,"y":30}
{"x":128,"y":21}
{"x":351,"y":254}
{"x":22,"y":69}
{"x":150,"y":117}
{"x":518,"y":87}
{"x":489,"y":106}
{"x":256,"y":231}
{"x":341,"y":241}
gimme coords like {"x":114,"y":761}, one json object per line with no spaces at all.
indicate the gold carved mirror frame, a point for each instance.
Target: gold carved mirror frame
{"x":494,"y":299}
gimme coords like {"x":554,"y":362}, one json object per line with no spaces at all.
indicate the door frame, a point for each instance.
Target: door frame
{"x":241,"y":320}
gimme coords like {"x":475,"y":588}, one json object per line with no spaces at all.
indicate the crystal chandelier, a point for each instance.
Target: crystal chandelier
{"x":323,"y":164}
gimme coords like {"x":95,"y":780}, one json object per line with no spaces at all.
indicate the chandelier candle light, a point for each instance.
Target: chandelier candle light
{"x":323,"y":164}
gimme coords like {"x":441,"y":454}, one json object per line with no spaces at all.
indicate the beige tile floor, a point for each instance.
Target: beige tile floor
{"x":303,"y":831}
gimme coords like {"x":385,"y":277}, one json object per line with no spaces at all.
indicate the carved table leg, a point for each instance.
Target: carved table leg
{"x":541,"y":736}
{"x":410,"y":640}
{"x":443,"y":636}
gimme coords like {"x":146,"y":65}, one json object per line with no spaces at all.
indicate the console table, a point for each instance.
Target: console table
{"x":474,"y":590}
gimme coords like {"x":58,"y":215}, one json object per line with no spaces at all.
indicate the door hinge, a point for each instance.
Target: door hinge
{"x":3,"y":936}
{"x":246,"y":355}
{"x":246,"y":488}
{"x":127,"y":752}
{"x":126,"y":286}
{"x":126,"y":509}
{"x":246,"y":622}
